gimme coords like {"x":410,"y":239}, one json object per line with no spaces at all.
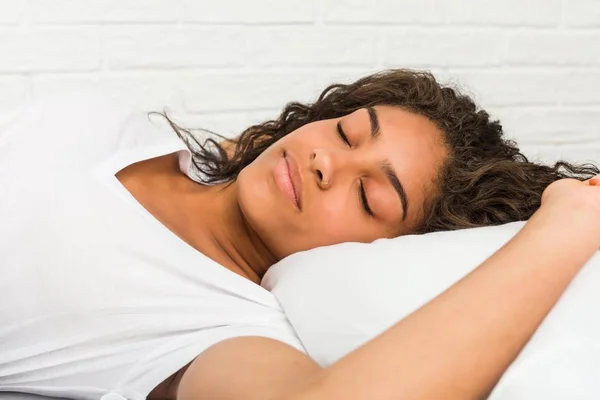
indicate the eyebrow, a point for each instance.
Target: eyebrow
{"x":375,"y":131}
{"x":386,"y":165}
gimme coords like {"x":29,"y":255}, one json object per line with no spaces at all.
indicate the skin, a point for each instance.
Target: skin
{"x":455,"y":347}
{"x":251,"y":224}
{"x":333,"y":213}
{"x":463,"y":360}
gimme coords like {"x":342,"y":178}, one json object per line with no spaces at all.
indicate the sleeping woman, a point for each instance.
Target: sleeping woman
{"x":131,"y":257}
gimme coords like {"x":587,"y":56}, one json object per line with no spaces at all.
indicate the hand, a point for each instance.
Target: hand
{"x":574,"y":200}
{"x":573,"y":191}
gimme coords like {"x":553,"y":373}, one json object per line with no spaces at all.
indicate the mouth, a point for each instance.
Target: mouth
{"x":288,"y":179}
{"x":295,"y":177}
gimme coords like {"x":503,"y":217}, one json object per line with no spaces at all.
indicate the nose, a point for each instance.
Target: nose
{"x":321,"y":164}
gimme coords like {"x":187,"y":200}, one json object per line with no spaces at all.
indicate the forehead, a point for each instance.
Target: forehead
{"x":400,"y":125}
{"x":415,"y":147}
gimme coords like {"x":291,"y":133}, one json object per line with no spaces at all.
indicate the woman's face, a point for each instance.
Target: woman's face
{"x":358,"y":178}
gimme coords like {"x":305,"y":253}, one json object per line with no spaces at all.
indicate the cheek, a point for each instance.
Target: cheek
{"x":252,"y":191}
{"x":335,"y":212}
{"x":254,"y":200}
{"x":337,"y":222}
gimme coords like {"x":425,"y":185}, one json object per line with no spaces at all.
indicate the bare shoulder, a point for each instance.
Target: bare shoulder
{"x":246,"y":368}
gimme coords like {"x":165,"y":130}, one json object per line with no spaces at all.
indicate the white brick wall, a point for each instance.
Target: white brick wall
{"x":223,"y":65}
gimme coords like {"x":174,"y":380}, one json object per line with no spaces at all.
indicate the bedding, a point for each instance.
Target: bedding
{"x":341,"y":296}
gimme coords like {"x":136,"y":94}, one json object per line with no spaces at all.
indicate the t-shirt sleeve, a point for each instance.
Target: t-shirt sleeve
{"x":72,"y":129}
{"x":163,"y":364}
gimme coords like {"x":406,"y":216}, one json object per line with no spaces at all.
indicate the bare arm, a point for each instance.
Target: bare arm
{"x":455,"y":347}
{"x":458,"y":345}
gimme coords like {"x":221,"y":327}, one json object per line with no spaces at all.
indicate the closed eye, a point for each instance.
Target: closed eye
{"x":342,"y":135}
{"x":364,"y":201}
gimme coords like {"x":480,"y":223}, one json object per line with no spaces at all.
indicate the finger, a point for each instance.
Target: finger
{"x":594,"y":181}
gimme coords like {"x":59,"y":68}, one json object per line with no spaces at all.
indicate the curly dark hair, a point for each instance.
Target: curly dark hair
{"x":484,"y":181}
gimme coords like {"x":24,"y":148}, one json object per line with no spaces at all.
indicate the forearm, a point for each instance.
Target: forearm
{"x":458,"y":345}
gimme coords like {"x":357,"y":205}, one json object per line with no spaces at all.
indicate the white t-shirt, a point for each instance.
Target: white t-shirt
{"x":98,"y":299}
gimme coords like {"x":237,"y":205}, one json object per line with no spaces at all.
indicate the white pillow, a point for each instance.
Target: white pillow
{"x":341,"y":296}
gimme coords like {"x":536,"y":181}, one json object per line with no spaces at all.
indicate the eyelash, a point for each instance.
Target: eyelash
{"x":342,"y":135}
{"x":363,"y":199}
{"x":361,"y":189}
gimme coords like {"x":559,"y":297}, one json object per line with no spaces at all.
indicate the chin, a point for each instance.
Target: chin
{"x":265,"y":213}
{"x":256,"y":200}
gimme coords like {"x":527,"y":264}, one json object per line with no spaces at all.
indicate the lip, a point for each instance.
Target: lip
{"x":284,"y":179}
{"x":295,"y":176}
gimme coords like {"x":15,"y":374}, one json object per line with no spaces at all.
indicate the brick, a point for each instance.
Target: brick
{"x":553,"y":49}
{"x":246,"y":91}
{"x":505,"y":88}
{"x":255,"y":11}
{"x":10,"y":11}
{"x":507,"y":12}
{"x":384,"y":11}
{"x":258,"y":117}
{"x":553,"y":153}
{"x":146,"y":92}
{"x":448,"y":47}
{"x":13,"y":91}
{"x":549,"y":134}
{"x":578,"y":87}
{"x":548,"y":126}
{"x":166,"y":47}
{"x":228,"y":64}
{"x":327,"y":77}
{"x":76,"y":11}
{"x":49,"y":50}
{"x":582,"y":13}
{"x":228,"y":124}
{"x":313,"y":47}
{"x":532,"y":87}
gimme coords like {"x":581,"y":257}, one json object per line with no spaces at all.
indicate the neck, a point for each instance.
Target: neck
{"x":228,"y":237}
